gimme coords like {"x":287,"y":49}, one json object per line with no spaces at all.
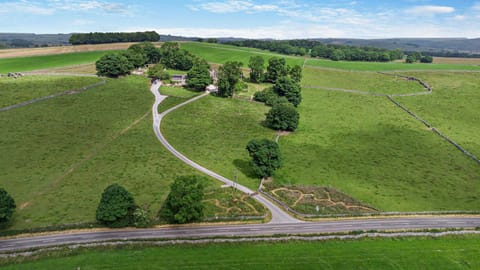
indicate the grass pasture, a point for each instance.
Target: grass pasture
{"x":23,"y":64}
{"x":14,"y":91}
{"x":361,"y":145}
{"x":460,"y":252}
{"x":453,"y":106}
{"x":63,"y":152}
{"x":389,"y":66}
{"x":218,"y":53}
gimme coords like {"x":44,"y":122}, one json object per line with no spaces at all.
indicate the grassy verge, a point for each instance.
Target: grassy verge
{"x":453,"y":252}
{"x":179,"y":92}
{"x":14,"y":91}
{"x":48,"y":61}
{"x":374,"y":66}
{"x":217,"y":53}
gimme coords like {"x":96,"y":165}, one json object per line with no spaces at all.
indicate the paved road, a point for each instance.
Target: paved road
{"x":241,"y":230}
{"x":278,"y":215}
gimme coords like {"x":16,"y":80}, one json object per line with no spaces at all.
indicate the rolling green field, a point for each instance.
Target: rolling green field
{"x":376,"y":66}
{"x":14,"y":91}
{"x":361,"y":145}
{"x":362,"y":81}
{"x":214,"y":132}
{"x":63,"y":152}
{"x":217,"y":53}
{"x":177,"y":92}
{"x":22,"y":64}
{"x":453,"y":106}
{"x":460,"y":252}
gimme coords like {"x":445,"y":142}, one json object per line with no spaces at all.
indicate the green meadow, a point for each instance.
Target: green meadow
{"x":23,"y":64}
{"x":459,"y":252}
{"x":218,"y":53}
{"x":389,"y":66}
{"x":14,"y":91}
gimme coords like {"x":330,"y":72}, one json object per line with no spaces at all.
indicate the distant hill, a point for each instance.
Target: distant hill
{"x":462,"y":45}
{"x":434,"y":45}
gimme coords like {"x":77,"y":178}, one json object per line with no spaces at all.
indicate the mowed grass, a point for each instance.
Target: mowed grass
{"x":14,"y":91}
{"x":376,"y":66}
{"x":180,"y":92}
{"x":218,"y":53}
{"x":460,"y":252}
{"x":214,"y":133}
{"x":23,"y":64}
{"x":362,"y":81}
{"x":59,"y":155}
{"x":453,"y":106}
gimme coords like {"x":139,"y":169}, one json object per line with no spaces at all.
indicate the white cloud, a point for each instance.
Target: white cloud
{"x":430,"y":10}
{"x":459,"y":17}
{"x":231,"y":6}
{"x":89,"y":5}
{"x":476,"y":6}
{"x":80,"y":22}
{"x":25,"y":7}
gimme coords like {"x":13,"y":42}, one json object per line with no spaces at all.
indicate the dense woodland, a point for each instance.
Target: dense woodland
{"x":98,"y":38}
{"x":318,"y":49}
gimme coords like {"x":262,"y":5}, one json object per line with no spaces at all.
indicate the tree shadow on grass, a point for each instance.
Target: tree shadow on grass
{"x":245,"y":167}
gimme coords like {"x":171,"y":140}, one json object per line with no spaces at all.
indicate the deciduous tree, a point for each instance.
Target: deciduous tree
{"x":116,"y":207}
{"x":282,"y":116}
{"x":266,"y":157}
{"x":7,"y":206}
{"x":257,"y":68}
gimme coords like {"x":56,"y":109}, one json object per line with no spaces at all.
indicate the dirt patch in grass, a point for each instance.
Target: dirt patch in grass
{"x":318,"y":200}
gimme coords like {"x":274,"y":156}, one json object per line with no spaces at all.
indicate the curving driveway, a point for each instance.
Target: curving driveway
{"x":278,"y":215}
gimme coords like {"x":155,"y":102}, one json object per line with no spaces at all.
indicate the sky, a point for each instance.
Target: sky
{"x":284,"y":19}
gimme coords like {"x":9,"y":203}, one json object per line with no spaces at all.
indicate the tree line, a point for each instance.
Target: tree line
{"x":317,"y":49}
{"x":113,"y":37}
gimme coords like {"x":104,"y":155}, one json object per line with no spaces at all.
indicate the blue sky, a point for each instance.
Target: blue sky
{"x":248,"y":18}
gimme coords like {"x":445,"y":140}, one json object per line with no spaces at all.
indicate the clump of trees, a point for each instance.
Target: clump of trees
{"x":283,"y":116}
{"x":184,"y":203}
{"x":172,"y":56}
{"x":317,"y":49}
{"x":418,"y":57}
{"x":229,"y":78}
{"x":116,"y":207}
{"x":266,"y":157}
{"x":7,"y":206}
{"x":158,"y":72}
{"x":198,"y":77}
{"x":113,"y":65}
{"x":98,"y":38}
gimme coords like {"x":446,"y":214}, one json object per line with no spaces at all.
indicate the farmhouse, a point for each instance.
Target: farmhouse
{"x":179,"y":79}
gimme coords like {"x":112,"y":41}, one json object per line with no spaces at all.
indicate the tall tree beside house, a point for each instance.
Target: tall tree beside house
{"x":198,"y":77}
{"x":266,"y":157}
{"x":229,"y":76}
{"x":257,"y":68}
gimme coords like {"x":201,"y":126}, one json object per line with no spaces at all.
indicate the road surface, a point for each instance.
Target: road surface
{"x":192,"y":231}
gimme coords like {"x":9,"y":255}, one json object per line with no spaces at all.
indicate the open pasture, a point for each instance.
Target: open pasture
{"x":460,"y":252}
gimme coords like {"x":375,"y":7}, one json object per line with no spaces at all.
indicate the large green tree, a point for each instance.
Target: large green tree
{"x":277,"y":67}
{"x":266,"y":157}
{"x":7,"y":205}
{"x":282,"y":116}
{"x":296,"y":73}
{"x":286,"y":87}
{"x":184,"y":203}
{"x":116,"y":207}
{"x":257,"y":68}
{"x":198,"y":77}
{"x":113,"y":65}
{"x":229,"y":76}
